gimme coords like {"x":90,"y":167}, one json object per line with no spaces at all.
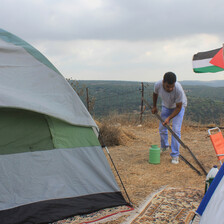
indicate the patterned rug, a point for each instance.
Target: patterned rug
{"x":170,"y":205}
{"x":95,"y":217}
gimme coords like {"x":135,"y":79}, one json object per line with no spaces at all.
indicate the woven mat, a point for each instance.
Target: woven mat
{"x":170,"y":205}
{"x":96,"y":217}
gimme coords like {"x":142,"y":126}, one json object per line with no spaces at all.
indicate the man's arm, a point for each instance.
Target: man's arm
{"x":174,"y":114}
{"x":154,"y":109}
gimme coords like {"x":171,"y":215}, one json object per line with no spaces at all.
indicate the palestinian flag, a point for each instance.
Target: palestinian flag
{"x":209,"y":61}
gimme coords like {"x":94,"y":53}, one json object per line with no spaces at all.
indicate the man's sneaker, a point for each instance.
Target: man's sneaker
{"x":175,"y":160}
{"x":164,"y":149}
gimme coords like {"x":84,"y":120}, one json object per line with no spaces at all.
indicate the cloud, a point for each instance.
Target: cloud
{"x":118,"y":59}
{"x":112,"y":19}
{"x":117,"y":39}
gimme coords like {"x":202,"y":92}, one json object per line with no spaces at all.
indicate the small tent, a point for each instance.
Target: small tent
{"x":52,"y":165}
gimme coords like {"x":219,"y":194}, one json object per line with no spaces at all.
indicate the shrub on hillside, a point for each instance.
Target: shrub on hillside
{"x":110,"y":135}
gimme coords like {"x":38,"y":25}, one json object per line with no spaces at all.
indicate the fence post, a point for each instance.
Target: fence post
{"x":142,"y":90}
{"x":87,"y":99}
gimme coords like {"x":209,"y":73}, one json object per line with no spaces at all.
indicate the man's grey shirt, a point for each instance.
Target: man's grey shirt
{"x":169,"y":99}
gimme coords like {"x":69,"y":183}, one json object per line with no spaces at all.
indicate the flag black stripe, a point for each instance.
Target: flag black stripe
{"x":205,"y":55}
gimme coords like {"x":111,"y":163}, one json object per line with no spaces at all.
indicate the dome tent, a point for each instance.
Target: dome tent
{"x":52,"y":164}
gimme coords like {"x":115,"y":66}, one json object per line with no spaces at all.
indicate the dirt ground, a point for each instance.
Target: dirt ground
{"x":142,"y":178}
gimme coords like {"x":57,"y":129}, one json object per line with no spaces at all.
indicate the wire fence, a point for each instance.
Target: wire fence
{"x":105,"y":100}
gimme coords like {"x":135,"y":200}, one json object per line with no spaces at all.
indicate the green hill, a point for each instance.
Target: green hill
{"x":205,"y":103}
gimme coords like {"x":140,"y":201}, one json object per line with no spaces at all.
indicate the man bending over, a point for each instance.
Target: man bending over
{"x":174,"y":102}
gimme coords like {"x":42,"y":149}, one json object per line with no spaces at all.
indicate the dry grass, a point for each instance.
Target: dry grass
{"x":114,"y":135}
{"x":131,"y":157}
{"x":121,"y":119}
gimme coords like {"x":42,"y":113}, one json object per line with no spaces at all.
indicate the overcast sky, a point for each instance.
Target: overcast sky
{"x":132,"y":40}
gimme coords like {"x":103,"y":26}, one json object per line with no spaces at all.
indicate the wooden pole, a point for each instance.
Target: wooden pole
{"x":87,"y":99}
{"x":223,"y":51}
{"x":142,"y":103}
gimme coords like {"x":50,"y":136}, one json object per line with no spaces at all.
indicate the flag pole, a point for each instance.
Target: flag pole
{"x":223,"y":51}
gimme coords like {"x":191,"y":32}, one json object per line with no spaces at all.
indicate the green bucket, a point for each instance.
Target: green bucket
{"x":154,"y":154}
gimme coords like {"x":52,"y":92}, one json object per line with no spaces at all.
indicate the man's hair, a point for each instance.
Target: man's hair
{"x":169,"y":78}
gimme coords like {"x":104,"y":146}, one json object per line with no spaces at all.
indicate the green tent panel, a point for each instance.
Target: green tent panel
{"x":23,"y":131}
{"x":27,"y":131}
{"x":65,"y":135}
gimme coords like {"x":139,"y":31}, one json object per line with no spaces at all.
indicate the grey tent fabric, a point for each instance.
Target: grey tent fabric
{"x":27,"y":83}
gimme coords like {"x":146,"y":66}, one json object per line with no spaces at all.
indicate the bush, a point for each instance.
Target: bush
{"x":109,"y":135}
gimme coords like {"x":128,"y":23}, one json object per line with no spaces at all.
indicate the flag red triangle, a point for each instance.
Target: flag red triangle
{"x":217,"y":60}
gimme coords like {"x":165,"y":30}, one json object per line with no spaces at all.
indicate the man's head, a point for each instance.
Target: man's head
{"x":169,"y":80}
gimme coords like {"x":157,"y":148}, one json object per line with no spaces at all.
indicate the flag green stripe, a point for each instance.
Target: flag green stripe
{"x":10,"y":38}
{"x":211,"y":69}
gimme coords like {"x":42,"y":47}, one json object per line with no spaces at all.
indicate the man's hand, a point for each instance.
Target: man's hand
{"x":174,"y":114}
{"x":166,"y":121}
{"x":154,"y":110}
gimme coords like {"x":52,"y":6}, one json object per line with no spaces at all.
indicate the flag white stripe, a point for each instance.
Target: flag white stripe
{"x":202,"y":63}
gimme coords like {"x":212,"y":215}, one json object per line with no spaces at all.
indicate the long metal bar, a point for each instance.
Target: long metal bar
{"x":178,"y":139}
{"x":189,"y":164}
